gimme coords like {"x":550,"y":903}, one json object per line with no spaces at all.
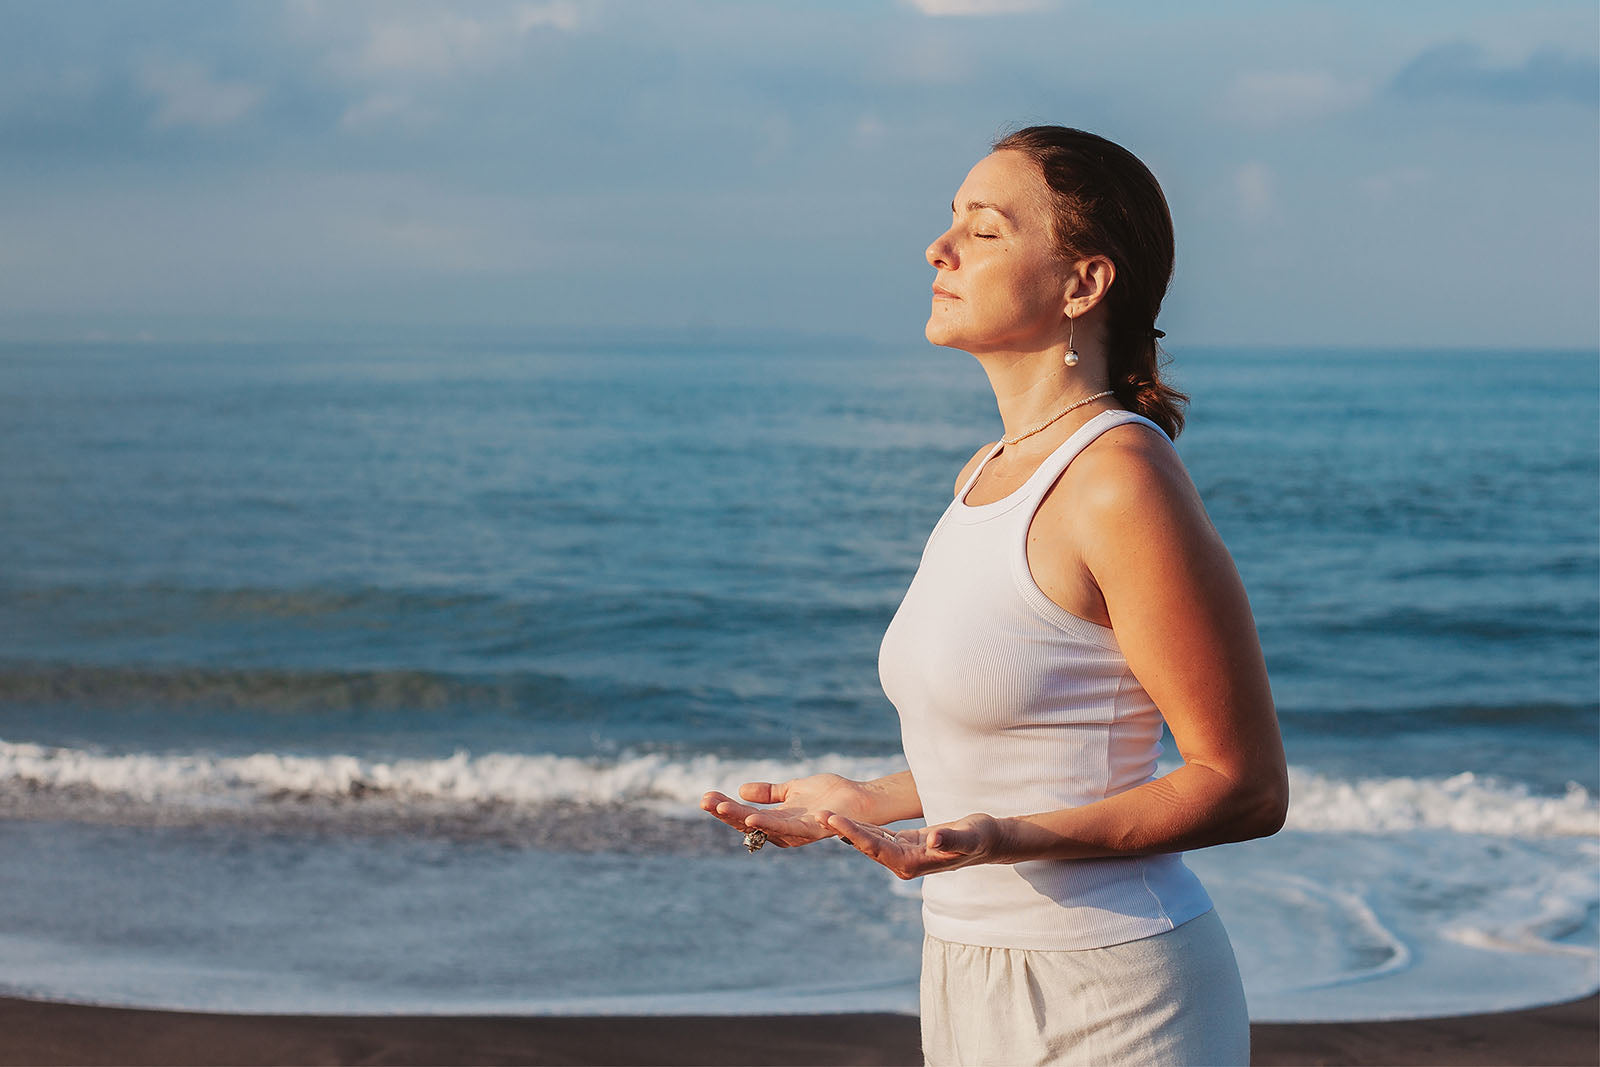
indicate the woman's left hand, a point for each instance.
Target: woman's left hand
{"x":925,"y":850}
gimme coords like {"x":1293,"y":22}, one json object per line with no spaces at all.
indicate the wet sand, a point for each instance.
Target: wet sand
{"x":35,"y":1032}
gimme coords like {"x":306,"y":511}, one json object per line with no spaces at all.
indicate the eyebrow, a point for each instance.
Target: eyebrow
{"x":981,"y":205}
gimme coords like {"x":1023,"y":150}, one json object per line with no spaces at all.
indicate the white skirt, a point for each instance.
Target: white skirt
{"x":1173,"y":998}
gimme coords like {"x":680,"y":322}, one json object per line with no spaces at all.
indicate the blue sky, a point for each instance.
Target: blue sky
{"x":1418,"y":173}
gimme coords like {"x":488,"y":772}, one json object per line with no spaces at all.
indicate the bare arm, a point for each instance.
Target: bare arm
{"x":1179,"y":610}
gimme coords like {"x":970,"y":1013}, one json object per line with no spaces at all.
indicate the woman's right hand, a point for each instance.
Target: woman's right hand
{"x":800,"y":810}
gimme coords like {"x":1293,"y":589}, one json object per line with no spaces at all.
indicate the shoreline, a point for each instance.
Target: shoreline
{"x":48,"y":1032}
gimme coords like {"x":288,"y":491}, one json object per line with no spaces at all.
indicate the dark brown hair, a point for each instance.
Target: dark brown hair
{"x":1105,"y":202}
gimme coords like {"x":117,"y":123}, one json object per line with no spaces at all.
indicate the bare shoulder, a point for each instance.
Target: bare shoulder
{"x":1130,"y":482}
{"x":972,"y":465}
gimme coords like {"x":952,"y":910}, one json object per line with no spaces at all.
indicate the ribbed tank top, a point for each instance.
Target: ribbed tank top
{"x":1011,"y":705}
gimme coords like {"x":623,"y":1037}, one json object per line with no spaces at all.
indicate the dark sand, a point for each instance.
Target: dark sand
{"x":33,"y":1032}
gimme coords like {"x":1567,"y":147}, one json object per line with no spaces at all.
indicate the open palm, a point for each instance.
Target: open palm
{"x":799,"y":808}
{"x":925,"y":849}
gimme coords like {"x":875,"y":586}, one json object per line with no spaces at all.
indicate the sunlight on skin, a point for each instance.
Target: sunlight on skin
{"x":1135,"y":552}
{"x":924,"y":850}
{"x":802,"y":806}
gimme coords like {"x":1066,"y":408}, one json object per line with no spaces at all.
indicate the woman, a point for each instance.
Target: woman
{"x":1073,"y":595}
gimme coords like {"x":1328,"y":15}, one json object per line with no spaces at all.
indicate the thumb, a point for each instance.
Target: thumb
{"x":764,"y":792}
{"x":842,"y":825}
{"x":949,"y":839}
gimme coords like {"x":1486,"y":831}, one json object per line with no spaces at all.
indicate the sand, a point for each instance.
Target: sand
{"x":35,"y":1032}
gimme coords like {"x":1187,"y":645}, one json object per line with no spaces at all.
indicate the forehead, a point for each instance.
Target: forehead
{"x":1011,"y":182}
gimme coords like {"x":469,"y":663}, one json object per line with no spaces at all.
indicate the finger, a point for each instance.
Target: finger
{"x":764,"y":792}
{"x":871,"y":841}
{"x":866,"y":830}
{"x":732,"y":812}
{"x":844,"y":826}
{"x":904,"y":858}
{"x":801,"y":829}
{"x":953,"y":841}
{"x":789,"y":825}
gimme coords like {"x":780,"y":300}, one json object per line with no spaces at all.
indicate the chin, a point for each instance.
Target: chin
{"x":939,"y":334}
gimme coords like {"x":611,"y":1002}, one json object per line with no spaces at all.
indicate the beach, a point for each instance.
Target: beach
{"x":33,"y":1032}
{"x":445,"y":441}
{"x":375,"y":682}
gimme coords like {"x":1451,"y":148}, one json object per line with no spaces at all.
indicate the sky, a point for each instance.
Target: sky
{"x":1368,"y":174}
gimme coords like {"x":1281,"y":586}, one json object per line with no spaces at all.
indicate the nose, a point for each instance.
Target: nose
{"x":940,"y":254}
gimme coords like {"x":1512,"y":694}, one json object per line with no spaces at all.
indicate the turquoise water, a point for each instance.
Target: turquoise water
{"x":376,"y":678}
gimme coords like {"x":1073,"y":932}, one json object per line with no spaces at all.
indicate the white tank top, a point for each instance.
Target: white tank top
{"x":1010,"y":705}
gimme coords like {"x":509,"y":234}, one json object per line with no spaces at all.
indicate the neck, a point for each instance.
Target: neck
{"x":1029,"y":387}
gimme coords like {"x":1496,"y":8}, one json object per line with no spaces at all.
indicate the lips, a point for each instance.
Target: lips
{"x":944,"y":294}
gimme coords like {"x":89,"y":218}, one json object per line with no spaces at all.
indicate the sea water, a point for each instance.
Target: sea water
{"x":387,"y":677}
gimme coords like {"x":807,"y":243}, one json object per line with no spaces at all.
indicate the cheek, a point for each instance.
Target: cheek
{"x":1046,"y":288}
{"x":1022,"y":291}
{"x":1024,"y":267}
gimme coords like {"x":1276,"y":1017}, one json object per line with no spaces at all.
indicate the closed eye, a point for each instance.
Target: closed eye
{"x":987,"y":236}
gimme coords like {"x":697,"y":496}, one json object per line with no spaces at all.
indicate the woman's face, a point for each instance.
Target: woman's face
{"x":1000,"y":284}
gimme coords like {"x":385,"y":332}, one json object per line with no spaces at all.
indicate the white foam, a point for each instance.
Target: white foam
{"x":1397,"y":956}
{"x":1408,"y":924}
{"x":1463,"y":803}
{"x":1386,"y":897}
{"x":1532,"y":915}
{"x":191,"y":779}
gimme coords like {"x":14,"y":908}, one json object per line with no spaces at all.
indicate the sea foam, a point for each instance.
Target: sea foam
{"x":672,"y":786}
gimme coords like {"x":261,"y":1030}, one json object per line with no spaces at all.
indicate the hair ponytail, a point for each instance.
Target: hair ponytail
{"x":1106,"y":202}
{"x":1135,"y":369}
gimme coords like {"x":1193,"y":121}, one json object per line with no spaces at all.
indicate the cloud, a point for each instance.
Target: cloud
{"x":939,"y":8}
{"x":188,"y":95}
{"x":1464,"y":71}
{"x":1255,"y":192}
{"x":551,"y":151}
{"x":436,"y":42}
{"x":559,"y":15}
{"x":399,"y":38}
{"x":1270,"y":98}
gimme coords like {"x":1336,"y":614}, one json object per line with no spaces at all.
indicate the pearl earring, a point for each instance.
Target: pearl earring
{"x":1071,"y":358}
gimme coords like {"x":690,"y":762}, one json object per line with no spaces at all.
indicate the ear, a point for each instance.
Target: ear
{"x":1087,"y":284}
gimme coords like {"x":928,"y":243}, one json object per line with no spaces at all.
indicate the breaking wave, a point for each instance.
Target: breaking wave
{"x":69,"y":781}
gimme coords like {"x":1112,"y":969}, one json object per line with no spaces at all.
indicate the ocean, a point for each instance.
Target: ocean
{"x":386,"y":677}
